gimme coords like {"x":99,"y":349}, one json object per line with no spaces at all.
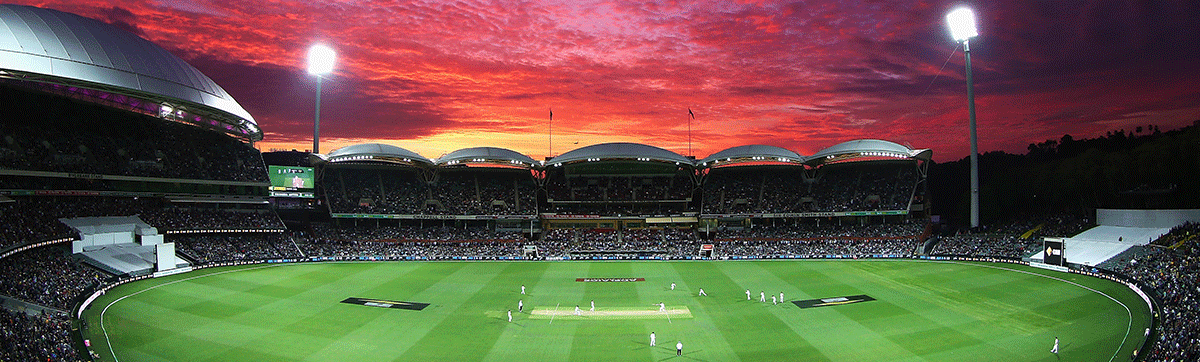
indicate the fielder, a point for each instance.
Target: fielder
{"x":1055,"y":349}
{"x":672,"y":286}
{"x":593,"y":306}
{"x":520,"y":306}
{"x":747,"y":294}
{"x":781,"y":297}
{"x":577,"y":310}
{"x":651,"y":339}
{"x":510,"y":315}
{"x":762,"y":297}
{"x":702,"y":293}
{"x":522,"y":288}
{"x":773,"y":300}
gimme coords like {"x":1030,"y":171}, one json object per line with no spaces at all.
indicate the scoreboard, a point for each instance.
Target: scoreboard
{"x":289,"y":181}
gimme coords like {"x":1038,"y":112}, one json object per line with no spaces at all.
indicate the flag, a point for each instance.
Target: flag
{"x":691,"y":114}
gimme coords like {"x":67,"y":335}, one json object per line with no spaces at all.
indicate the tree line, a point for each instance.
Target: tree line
{"x":1145,"y":168}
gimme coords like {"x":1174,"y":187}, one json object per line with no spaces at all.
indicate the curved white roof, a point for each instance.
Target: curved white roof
{"x":620,"y":150}
{"x":57,"y":47}
{"x":752,"y":153}
{"x":487,"y":155}
{"x":869,"y":148}
{"x":376,"y":152}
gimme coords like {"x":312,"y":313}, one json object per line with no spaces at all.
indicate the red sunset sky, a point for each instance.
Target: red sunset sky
{"x":433,"y":77}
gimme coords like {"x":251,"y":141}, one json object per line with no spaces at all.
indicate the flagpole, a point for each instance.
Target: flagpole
{"x":691,"y":117}
{"x":552,"y":132}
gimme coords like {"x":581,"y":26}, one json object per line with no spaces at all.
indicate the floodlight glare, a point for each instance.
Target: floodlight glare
{"x":962,"y":24}
{"x":320,"y":59}
{"x":320,"y":62}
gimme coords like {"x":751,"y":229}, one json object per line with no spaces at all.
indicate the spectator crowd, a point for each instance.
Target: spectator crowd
{"x":1170,"y":266}
{"x":104,"y":141}
{"x":43,"y":337}
{"x":835,"y":188}
{"x":35,"y":218}
{"x":404,"y":191}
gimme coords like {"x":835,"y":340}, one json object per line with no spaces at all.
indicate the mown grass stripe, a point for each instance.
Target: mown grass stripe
{"x":478,"y":287}
{"x":960,"y":312}
{"x":742,"y":330}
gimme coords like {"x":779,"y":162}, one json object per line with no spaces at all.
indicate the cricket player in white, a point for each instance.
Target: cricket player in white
{"x":593,"y":306}
{"x":510,"y":315}
{"x":576,"y":310}
{"x":662,"y":307}
{"x":702,"y":293}
{"x":520,"y":306}
{"x":747,"y":294}
{"x":679,"y":348}
{"x":522,"y":288}
{"x":672,"y":286}
{"x":1055,"y":349}
{"x":762,"y":297}
{"x":781,"y":297}
{"x":773,"y":300}
{"x":651,"y":339}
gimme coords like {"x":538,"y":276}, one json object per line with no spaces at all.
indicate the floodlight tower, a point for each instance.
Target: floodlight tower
{"x":320,"y":62}
{"x":962,"y":28}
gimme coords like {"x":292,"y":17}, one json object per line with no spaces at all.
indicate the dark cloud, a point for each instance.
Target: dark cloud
{"x":121,"y":19}
{"x":282,"y":101}
{"x":799,"y":75}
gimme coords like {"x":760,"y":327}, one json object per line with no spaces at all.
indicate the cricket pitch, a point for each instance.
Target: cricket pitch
{"x":611,"y":313}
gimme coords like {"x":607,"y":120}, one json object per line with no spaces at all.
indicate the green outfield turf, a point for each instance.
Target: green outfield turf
{"x":936,"y":311}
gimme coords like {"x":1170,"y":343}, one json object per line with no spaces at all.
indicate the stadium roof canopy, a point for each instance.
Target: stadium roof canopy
{"x":53,"y":47}
{"x":619,"y":151}
{"x":867,"y":150}
{"x":752,"y":154}
{"x":487,"y":156}
{"x":377,"y":153}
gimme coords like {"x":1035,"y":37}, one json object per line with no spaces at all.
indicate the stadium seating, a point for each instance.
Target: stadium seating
{"x":1169,"y":268}
{"x":864,"y":186}
{"x":43,"y":337}
{"x":402,"y":191}
{"x":35,"y":218}
{"x":52,"y":134}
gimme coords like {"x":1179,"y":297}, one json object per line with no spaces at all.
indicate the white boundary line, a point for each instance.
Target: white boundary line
{"x":1129,"y":324}
{"x":105,"y":329}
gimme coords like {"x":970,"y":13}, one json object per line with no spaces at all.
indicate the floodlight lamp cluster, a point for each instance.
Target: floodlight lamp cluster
{"x":351,"y":158}
{"x":962,"y":24}
{"x":883,"y":154}
{"x":168,"y":111}
{"x":320,"y":60}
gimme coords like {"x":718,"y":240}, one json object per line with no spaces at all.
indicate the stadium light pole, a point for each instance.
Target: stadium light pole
{"x":962,"y":28}
{"x":320,"y":63}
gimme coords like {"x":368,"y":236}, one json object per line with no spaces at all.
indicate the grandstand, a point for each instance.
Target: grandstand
{"x":113,"y":135}
{"x":614,"y":180}
{"x":617,"y":186}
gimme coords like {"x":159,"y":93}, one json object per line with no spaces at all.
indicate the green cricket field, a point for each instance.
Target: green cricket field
{"x":832,"y":310}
